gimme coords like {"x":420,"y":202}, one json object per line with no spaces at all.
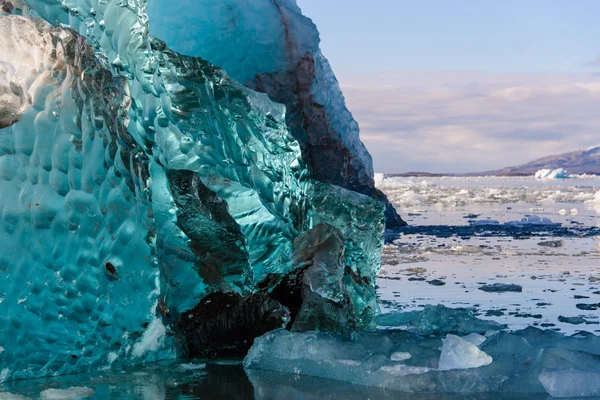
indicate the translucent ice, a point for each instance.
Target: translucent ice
{"x":279,"y":56}
{"x":438,"y":319}
{"x":148,"y":199}
{"x":458,"y":353}
{"x":569,"y":383}
{"x":507,"y":362}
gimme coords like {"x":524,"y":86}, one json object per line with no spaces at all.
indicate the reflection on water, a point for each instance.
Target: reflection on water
{"x":217,"y":381}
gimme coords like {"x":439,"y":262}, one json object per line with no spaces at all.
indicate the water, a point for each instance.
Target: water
{"x":443,"y":259}
{"x":170,"y":381}
{"x":555,"y":280}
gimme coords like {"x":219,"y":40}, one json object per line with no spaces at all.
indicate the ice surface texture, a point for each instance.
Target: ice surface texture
{"x":148,"y":197}
{"x":271,"y":47}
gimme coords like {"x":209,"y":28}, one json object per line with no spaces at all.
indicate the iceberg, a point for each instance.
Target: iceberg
{"x":279,"y":56}
{"x":153,"y":207}
{"x":546,"y":174}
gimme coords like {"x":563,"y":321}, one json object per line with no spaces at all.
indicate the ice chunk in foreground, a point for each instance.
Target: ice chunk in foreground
{"x":369,"y":358}
{"x":544,"y":174}
{"x":458,"y":353}
{"x":565,"y":383}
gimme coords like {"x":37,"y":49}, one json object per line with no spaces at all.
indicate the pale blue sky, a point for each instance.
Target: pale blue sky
{"x":465,"y":85}
{"x":483,"y":35}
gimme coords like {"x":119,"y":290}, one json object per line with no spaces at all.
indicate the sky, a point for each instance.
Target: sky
{"x":465,"y":85}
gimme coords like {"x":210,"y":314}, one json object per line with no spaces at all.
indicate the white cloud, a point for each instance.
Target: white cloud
{"x":471,"y":121}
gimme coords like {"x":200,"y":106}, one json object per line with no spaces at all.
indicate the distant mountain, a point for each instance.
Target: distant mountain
{"x":577,"y":162}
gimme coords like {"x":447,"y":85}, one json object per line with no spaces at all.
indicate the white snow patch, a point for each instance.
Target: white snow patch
{"x":72,"y":393}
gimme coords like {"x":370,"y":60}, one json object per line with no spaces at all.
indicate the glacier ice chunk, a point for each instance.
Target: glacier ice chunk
{"x":507,"y":362}
{"x":279,"y":56}
{"x":458,"y":353}
{"x":147,"y":195}
{"x":547,"y":174}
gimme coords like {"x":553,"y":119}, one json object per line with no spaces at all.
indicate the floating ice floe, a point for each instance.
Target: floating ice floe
{"x":544,"y":174}
{"x":507,"y":362}
{"x":530,"y":220}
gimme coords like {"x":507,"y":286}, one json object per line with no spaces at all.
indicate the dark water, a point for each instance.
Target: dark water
{"x":217,"y":381}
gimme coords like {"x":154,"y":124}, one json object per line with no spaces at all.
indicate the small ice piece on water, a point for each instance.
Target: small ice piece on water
{"x":552,"y":243}
{"x":400,"y":356}
{"x":544,"y":174}
{"x":71,"y":393}
{"x":458,"y":353}
{"x":378,"y":178}
{"x":570,"y":383}
{"x":501,"y":287}
{"x":532,"y":220}
{"x":563,"y":211}
{"x":574,"y":211}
